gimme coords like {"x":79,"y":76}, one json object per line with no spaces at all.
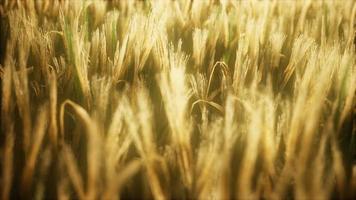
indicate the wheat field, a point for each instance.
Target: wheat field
{"x":178,"y":99}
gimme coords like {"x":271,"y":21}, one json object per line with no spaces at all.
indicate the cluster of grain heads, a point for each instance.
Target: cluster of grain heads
{"x":77,"y":51}
{"x":175,"y":95}
{"x":205,"y":99}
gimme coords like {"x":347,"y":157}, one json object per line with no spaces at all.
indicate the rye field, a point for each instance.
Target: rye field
{"x":178,"y":99}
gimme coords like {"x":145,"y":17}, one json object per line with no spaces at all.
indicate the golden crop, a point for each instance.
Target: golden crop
{"x":177,"y":99}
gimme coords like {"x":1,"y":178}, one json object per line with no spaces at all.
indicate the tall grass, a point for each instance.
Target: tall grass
{"x":177,"y":99}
